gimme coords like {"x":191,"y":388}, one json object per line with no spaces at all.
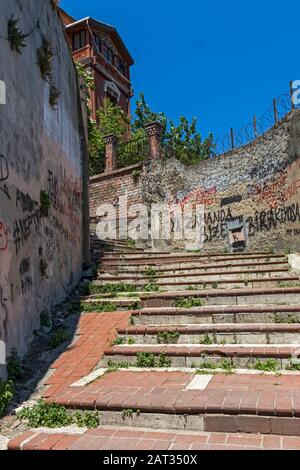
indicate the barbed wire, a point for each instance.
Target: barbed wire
{"x":282,"y":105}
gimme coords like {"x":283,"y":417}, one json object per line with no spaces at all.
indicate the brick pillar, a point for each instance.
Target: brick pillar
{"x":111,"y":142}
{"x":154,"y":131}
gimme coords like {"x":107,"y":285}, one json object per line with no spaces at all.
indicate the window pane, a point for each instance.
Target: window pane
{"x":82,"y":39}
{"x":76,"y":42}
{"x":79,"y":40}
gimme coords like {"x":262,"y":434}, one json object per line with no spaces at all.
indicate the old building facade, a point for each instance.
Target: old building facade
{"x":100,"y":49}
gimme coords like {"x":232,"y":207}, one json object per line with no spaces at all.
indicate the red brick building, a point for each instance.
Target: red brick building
{"x":100,"y":48}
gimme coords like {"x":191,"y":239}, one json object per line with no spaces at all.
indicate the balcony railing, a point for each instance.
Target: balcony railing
{"x":132,"y":152}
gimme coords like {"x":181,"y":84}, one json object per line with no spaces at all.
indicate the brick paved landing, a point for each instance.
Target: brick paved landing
{"x":140,"y":439}
{"x":95,"y":333}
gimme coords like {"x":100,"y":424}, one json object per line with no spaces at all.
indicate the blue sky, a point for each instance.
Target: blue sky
{"x":221,"y":61}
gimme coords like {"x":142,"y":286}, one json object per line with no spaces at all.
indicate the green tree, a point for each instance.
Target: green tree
{"x":144,"y":115}
{"x":182,"y":142}
{"x":185,"y":143}
{"x":96,"y":149}
{"x":112,"y":120}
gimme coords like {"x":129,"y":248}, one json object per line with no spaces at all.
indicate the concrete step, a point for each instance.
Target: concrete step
{"x":222,"y":314}
{"x":114,"y":265}
{"x":231,"y":333}
{"x":198,"y":275}
{"x":214,"y":281}
{"x":141,"y":438}
{"x":245,"y":296}
{"x":160,"y":256}
{"x":114,"y":250}
{"x":121,"y":303}
{"x":189,"y":355}
{"x":207,"y":271}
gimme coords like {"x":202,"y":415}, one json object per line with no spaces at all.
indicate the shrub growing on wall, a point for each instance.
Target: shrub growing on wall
{"x":110,"y":120}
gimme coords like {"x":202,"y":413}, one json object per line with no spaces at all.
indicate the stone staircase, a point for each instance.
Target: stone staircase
{"x":201,"y":353}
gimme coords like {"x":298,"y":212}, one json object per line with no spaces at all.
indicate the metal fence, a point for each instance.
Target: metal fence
{"x":132,"y":152}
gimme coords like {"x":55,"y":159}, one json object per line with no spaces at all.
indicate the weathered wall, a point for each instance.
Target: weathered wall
{"x":41,"y":151}
{"x":258,"y":183}
{"x":257,"y":186}
{"x":108,"y":188}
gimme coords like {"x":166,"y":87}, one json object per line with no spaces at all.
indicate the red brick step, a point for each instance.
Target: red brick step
{"x":111,"y":438}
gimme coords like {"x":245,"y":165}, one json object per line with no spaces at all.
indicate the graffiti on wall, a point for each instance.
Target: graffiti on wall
{"x":64,"y":192}
{"x":25,"y":276}
{"x":207,"y":197}
{"x":3,"y":314}
{"x":4,"y":171}
{"x":272,"y":194}
{"x":292,"y":190}
{"x":272,"y":219}
{"x":4,"y":174}
{"x":30,"y":221}
{"x":3,"y":236}
{"x":215,"y":226}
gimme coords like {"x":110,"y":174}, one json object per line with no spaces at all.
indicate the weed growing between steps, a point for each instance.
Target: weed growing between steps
{"x":270,"y":365}
{"x":285,"y":319}
{"x":152,"y":286}
{"x":113,"y":289}
{"x":95,"y":307}
{"x":143,"y":360}
{"x":129,"y":412}
{"x":288,"y":284}
{"x":146,"y":359}
{"x":150,"y":272}
{"x":293,"y":366}
{"x":130,"y":243}
{"x":52,"y":415}
{"x":188,"y":302}
{"x":206,"y":339}
{"x":130,"y":295}
{"x":134,"y":306}
{"x":120,"y":340}
{"x":207,"y":365}
{"x":167,"y":337}
{"x":114,"y":366}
